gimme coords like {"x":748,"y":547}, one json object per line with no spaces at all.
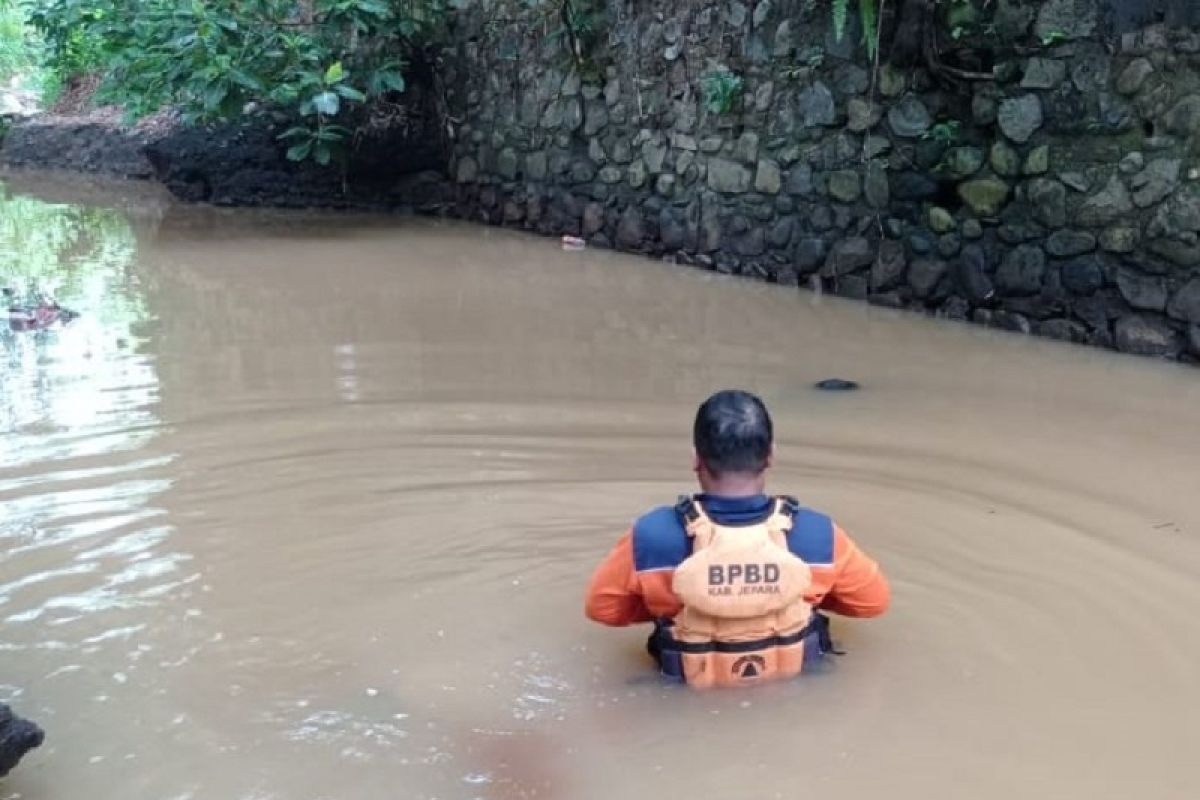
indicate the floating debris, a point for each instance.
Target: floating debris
{"x":17,"y":737}
{"x":35,"y":315}
{"x":836,"y":385}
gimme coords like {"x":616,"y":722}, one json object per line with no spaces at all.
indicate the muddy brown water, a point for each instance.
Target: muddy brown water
{"x":304,"y":506}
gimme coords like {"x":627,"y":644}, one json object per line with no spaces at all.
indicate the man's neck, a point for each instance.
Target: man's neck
{"x":734,"y":485}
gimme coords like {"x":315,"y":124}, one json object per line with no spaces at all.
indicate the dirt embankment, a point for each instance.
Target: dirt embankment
{"x":241,"y":163}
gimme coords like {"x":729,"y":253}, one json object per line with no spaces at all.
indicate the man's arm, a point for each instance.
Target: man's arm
{"x":859,"y":587}
{"x":613,"y":597}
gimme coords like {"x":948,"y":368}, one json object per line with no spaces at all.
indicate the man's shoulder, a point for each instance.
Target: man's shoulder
{"x":659,"y":540}
{"x":812,"y":536}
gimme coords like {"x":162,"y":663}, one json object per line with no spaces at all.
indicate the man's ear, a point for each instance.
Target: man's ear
{"x":771,"y":456}
{"x":695,"y":461}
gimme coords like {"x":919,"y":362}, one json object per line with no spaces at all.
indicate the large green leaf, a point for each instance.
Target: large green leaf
{"x":295,"y":131}
{"x":214,"y":94}
{"x":373,"y":7}
{"x":841,"y":12}
{"x":299,"y":152}
{"x":868,"y":15}
{"x":393,"y":80}
{"x":326,"y":103}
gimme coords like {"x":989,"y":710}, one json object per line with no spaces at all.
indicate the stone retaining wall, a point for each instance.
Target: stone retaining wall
{"x":1061,"y":198}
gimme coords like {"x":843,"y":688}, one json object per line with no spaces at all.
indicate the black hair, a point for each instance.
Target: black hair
{"x":733,"y":433}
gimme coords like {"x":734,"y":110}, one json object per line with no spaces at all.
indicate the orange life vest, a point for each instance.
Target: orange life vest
{"x":744,"y":619}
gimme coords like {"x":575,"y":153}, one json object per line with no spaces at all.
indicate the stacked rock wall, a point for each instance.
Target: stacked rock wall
{"x":1046,"y":178}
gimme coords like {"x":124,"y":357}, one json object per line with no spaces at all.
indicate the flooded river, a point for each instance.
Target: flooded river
{"x":304,"y":506}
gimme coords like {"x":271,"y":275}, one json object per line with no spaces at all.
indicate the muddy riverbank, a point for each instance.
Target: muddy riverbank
{"x":241,"y":164}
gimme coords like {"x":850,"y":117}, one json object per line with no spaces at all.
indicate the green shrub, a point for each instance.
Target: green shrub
{"x":722,"y":90}
{"x":320,"y":59}
{"x":868,"y":12}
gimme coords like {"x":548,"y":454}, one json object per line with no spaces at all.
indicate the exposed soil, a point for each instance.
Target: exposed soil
{"x":238,"y":164}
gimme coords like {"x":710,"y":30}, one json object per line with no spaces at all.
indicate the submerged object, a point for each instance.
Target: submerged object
{"x":35,"y":316}
{"x":17,"y":737}
{"x":836,"y":385}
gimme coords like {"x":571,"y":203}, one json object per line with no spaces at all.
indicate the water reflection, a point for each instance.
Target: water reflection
{"x":84,"y":543}
{"x":64,"y":388}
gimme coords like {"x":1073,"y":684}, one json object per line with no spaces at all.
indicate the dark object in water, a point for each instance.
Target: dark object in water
{"x":35,"y":316}
{"x":17,"y":737}
{"x":836,"y":385}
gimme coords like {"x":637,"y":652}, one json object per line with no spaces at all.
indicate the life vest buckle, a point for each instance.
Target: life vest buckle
{"x":686,"y":509}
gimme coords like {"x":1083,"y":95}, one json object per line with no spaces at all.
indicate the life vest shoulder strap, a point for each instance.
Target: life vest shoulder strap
{"x":699,"y":525}
{"x":687,"y":509}
{"x":783,"y":514}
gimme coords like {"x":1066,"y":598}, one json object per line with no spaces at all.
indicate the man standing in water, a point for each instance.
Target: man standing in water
{"x":735,"y":580}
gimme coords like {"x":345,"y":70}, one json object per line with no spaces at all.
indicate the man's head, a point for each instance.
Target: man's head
{"x":733,"y":439}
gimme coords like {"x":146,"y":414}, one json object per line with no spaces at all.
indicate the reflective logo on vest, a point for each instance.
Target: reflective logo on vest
{"x":749,"y":667}
{"x":748,"y":578}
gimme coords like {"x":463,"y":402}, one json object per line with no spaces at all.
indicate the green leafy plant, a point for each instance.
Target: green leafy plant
{"x":21,"y":49}
{"x":1053,"y":37}
{"x":325,"y":61}
{"x":722,"y":89}
{"x":961,"y":18}
{"x":583,"y":24}
{"x":324,"y":101}
{"x":66,"y":49}
{"x":869,"y":16}
{"x":808,"y":61}
{"x":946,"y":132}
{"x":841,"y":15}
{"x":15,"y":49}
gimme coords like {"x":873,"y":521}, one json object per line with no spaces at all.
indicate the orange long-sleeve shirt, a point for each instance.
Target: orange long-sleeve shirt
{"x":633,"y":584}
